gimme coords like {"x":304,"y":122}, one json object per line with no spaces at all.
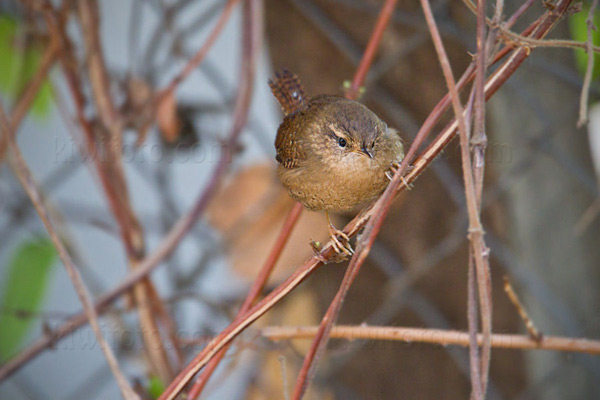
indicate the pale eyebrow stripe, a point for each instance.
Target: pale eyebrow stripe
{"x":338,"y":132}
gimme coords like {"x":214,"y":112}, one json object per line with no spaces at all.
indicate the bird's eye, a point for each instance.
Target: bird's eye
{"x":342,"y":142}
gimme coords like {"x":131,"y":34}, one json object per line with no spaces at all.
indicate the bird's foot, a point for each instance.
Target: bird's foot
{"x":340,"y":242}
{"x":392,"y":171}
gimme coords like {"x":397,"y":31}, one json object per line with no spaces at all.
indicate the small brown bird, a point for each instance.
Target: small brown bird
{"x":334,"y":154}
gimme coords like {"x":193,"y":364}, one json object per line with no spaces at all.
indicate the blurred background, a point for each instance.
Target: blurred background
{"x":540,"y":203}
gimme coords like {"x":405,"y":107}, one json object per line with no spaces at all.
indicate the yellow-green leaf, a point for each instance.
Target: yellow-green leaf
{"x":155,"y":387}
{"x":579,"y":32}
{"x":28,"y":275}
{"x":18,"y":65}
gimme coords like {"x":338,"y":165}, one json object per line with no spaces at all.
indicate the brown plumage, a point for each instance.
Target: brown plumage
{"x":333,"y":153}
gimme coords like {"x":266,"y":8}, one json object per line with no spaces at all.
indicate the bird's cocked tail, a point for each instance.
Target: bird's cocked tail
{"x":288,"y":91}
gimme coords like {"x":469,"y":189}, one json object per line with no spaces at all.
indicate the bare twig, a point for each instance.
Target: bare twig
{"x":473,"y":320}
{"x":252,"y":40}
{"x":201,"y":54}
{"x":31,"y":90}
{"x":479,"y":142}
{"x":521,"y":40}
{"x":478,"y":247}
{"x":251,"y":32}
{"x":116,"y":189}
{"x":369,"y":54}
{"x":253,"y":293}
{"x":587,"y":80}
{"x":534,"y":333}
{"x":166,"y":246}
{"x":436,"y":336}
{"x":24,"y":175}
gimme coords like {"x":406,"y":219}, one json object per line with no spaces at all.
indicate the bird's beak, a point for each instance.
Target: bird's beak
{"x":364,"y":150}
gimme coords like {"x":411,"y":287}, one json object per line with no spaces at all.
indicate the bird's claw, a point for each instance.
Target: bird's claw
{"x":340,"y":242}
{"x":392,"y":171}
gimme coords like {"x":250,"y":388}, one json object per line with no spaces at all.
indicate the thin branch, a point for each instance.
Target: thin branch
{"x":89,"y":21}
{"x":253,"y":293}
{"x":369,"y":54}
{"x":252,"y":42}
{"x":520,"y":11}
{"x":201,"y":54}
{"x":474,"y":359}
{"x":520,"y":40}
{"x":534,"y":333}
{"x":479,"y":142}
{"x":112,"y":174}
{"x":436,"y":336}
{"x":26,"y":99}
{"x":164,"y":249}
{"x":587,"y":80}
{"x":478,"y":247}
{"x":24,"y":174}
{"x":252,"y":38}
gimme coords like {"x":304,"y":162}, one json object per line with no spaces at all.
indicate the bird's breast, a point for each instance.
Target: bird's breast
{"x":340,"y":186}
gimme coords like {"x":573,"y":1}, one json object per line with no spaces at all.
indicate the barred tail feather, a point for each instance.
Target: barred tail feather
{"x":288,"y":91}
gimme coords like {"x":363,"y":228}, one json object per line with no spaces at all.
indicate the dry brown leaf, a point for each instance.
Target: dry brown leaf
{"x":138,"y":105}
{"x":169,"y":123}
{"x":249,"y":212}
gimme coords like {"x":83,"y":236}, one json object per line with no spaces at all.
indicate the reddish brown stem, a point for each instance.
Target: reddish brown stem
{"x":31,"y":90}
{"x":24,"y":175}
{"x":201,"y":53}
{"x":250,"y":47}
{"x":253,"y":293}
{"x":365,"y":63}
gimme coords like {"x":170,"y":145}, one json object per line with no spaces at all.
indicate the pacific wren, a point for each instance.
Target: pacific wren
{"x":334,"y":154}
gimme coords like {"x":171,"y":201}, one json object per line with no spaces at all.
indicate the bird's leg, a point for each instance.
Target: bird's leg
{"x":341,"y":241}
{"x":393,"y":168}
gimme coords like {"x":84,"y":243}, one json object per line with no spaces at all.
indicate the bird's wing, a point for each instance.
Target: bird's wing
{"x":289,"y":147}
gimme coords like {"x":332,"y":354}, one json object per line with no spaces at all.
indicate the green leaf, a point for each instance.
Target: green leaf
{"x":23,"y":291}
{"x":579,"y":32}
{"x":18,"y":65}
{"x":155,"y":387}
